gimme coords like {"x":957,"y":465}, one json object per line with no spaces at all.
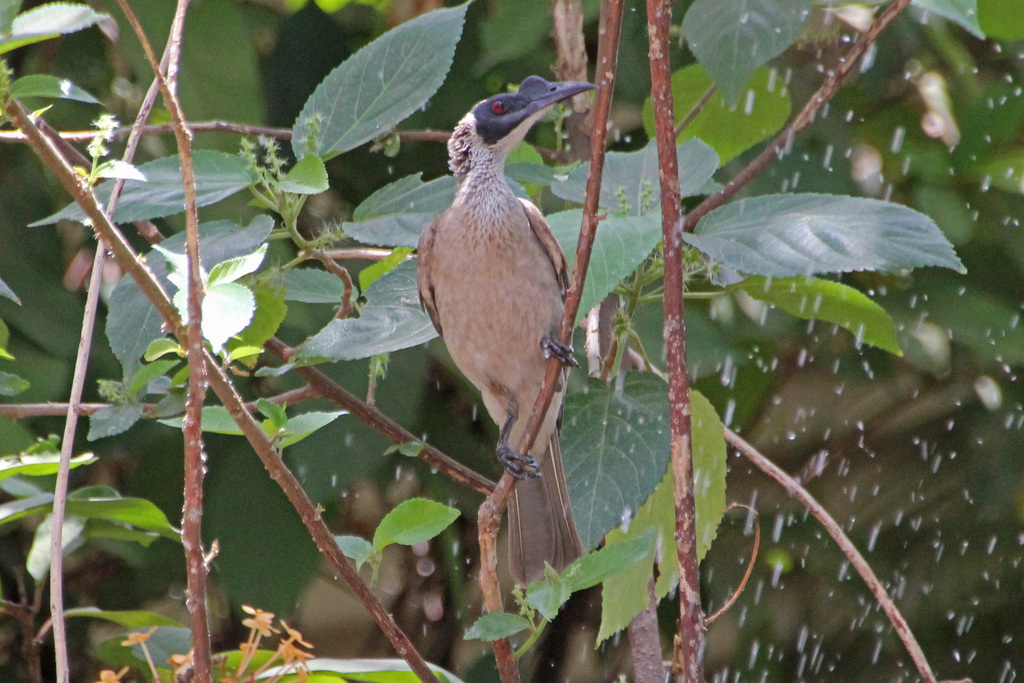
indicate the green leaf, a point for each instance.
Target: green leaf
{"x":629,"y":183}
{"x":313,"y":286}
{"x":620,"y":245}
{"x":548,"y":595}
{"x":5,"y":335}
{"x":115,"y":168}
{"x":357,"y":549}
{"x":137,"y":512}
{"x":215,"y":419}
{"x":762,"y":110}
{"x":496,"y":626}
{"x":732,"y":39}
{"x":380,"y":85}
{"x":8,"y":10}
{"x":615,"y":448}
{"x":374,"y":670}
{"x":301,"y":426}
{"x":38,"y":560}
{"x":308,"y":176}
{"x":413,"y":521}
{"x":595,"y":567}
{"x":113,"y":420}
{"x":148,"y":372}
{"x":231,"y":269}
{"x":39,"y":465}
{"x":112,"y":531}
{"x":12,"y":385}
{"x":396,"y":214}
{"x":165,"y":642}
{"x":963,"y":12}
{"x":793,"y":235}
{"x":371,"y":273}
{"x":410,"y":449}
{"x":162,"y":347}
{"x":43,"y":85}
{"x":832,"y":302}
{"x":227,"y":310}
{"x":6,"y":291}
{"x":624,"y":594}
{"x":218,"y":175}
{"x":51,"y":20}
{"x":1001,"y":19}
{"x":270,"y":313}
{"x":130,"y":619}
{"x":274,"y":413}
{"x":391,"y":320}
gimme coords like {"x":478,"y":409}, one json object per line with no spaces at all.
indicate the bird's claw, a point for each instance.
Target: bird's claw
{"x":553,"y":348}
{"x":517,"y":464}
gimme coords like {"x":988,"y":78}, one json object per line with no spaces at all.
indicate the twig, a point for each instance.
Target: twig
{"x":845,"y":544}
{"x":343,"y":275}
{"x":645,"y":642}
{"x":750,"y":565}
{"x":195,"y":456}
{"x":364,"y":253}
{"x":696,"y":109}
{"x":782,"y":142}
{"x":489,"y":515}
{"x":688,"y":659}
{"x":131,"y":263}
{"x":380,"y":422}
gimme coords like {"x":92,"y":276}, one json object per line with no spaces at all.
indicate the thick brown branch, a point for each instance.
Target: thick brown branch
{"x":688,"y":660}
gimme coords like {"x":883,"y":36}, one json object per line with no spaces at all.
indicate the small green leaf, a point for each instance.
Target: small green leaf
{"x":548,"y":595}
{"x":732,"y":39}
{"x":270,"y":313}
{"x":963,"y":12}
{"x":39,"y":465}
{"x":234,"y":268}
{"x":148,"y":372}
{"x":380,"y":85}
{"x":38,"y":560}
{"x":410,"y":449}
{"x":391,"y":320}
{"x":313,"y":286}
{"x":272,"y":411}
{"x":6,"y":291}
{"x":215,"y":419}
{"x":113,"y":420}
{"x":357,"y":549}
{"x":163,"y":346}
{"x":44,"y":85}
{"x":595,"y":567}
{"x":371,"y":273}
{"x":413,"y":521}
{"x":497,"y":626}
{"x":227,"y":310}
{"x":833,"y":302}
{"x":301,"y":426}
{"x":115,"y":168}
{"x":130,"y":619}
{"x":12,"y":385}
{"x":308,"y":176}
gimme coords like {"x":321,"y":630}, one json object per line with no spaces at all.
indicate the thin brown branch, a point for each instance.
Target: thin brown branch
{"x":696,"y":109}
{"x":380,"y":422}
{"x":489,"y":515}
{"x":203,"y":126}
{"x":804,"y":497}
{"x":688,"y":659}
{"x":783,"y":141}
{"x":645,"y":642}
{"x":343,"y":275}
{"x":361,"y":253}
{"x":750,"y":565}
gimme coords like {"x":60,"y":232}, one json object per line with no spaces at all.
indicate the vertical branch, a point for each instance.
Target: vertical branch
{"x":195,"y":456}
{"x":489,"y":516}
{"x":645,"y":642}
{"x":688,"y":661}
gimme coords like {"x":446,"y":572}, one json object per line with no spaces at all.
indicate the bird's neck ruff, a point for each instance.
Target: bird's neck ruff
{"x":479,"y":168}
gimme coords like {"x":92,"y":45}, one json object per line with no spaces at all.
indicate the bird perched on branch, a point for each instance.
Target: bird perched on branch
{"x":493,"y":279}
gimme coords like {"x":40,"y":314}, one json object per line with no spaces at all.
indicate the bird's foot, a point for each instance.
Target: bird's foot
{"x":517,"y":464}
{"x":553,"y":348}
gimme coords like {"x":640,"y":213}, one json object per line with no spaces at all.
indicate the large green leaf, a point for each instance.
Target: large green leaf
{"x":380,"y":85}
{"x":834,"y":302}
{"x":313,"y":286}
{"x":496,"y":626}
{"x":615,"y":447}
{"x":794,"y":235}
{"x":44,"y":85}
{"x":137,"y":512}
{"x":38,"y":561}
{"x":394,"y":215}
{"x":413,"y":521}
{"x":113,"y":420}
{"x":620,"y":245}
{"x":39,"y":465}
{"x":390,"y":320}
{"x":131,"y":619}
{"x":218,"y":175}
{"x":763,"y":109}
{"x":51,"y":20}
{"x":625,"y":593}
{"x":629,"y":183}
{"x":732,"y":39}
{"x":963,"y":12}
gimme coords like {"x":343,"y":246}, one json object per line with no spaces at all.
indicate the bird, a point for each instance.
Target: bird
{"x":493,"y":280}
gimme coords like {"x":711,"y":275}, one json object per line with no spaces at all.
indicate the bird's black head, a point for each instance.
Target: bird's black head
{"x":498,"y":116}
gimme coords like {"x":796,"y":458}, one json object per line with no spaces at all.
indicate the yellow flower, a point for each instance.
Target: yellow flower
{"x":108,"y":676}
{"x":138,"y":637}
{"x":260,"y":621}
{"x":294,"y":635}
{"x":181,"y":663}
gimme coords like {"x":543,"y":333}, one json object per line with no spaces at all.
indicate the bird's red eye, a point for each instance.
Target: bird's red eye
{"x":498,"y":107}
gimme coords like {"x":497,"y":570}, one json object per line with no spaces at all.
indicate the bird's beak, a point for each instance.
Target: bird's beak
{"x":555,"y":93}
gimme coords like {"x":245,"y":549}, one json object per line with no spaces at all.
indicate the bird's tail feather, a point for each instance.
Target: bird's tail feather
{"x":541,"y":525}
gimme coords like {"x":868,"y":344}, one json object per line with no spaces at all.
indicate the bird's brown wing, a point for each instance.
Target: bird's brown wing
{"x":542,"y":231}
{"x":424,"y":282}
